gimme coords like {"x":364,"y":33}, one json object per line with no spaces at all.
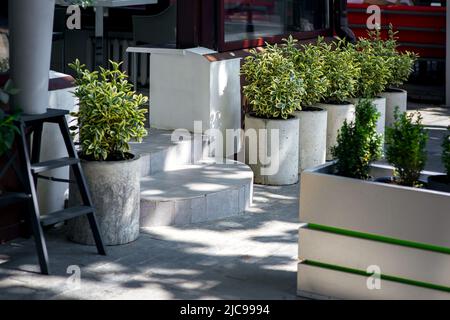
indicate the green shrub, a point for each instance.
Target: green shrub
{"x":358,"y":143}
{"x":310,"y":64}
{"x":446,"y":152}
{"x":400,"y":63}
{"x":366,"y":117}
{"x":341,"y":69}
{"x":375,"y":69}
{"x":110,"y":113}
{"x":405,"y":147}
{"x":8,"y":128}
{"x":274,"y":88}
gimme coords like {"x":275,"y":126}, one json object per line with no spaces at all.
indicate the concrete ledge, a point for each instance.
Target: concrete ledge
{"x":195,"y":193}
{"x":159,"y":153}
{"x":57,"y":81}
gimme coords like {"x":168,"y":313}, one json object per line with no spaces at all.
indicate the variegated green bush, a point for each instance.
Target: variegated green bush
{"x":341,"y":69}
{"x":110,"y":113}
{"x":400,"y":63}
{"x":375,"y":69}
{"x":310,"y":64}
{"x":274,"y":88}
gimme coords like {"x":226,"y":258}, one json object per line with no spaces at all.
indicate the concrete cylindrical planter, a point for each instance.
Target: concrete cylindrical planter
{"x":380,"y":105}
{"x":271,"y":149}
{"x":31,"y":31}
{"x":336,"y":115}
{"x":394,"y":97}
{"x":115,"y":191}
{"x":312,"y":148}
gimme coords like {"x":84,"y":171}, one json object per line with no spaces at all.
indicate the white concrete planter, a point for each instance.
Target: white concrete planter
{"x":355,"y":228}
{"x":380,"y":105}
{"x":312,"y":146}
{"x":51,"y":194}
{"x":394,"y":97}
{"x":336,"y":115}
{"x":31,"y":26}
{"x":115,"y":191}
{"x":273,"y":157}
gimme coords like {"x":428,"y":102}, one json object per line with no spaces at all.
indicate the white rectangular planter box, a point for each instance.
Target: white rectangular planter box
{"x":353,"y":224}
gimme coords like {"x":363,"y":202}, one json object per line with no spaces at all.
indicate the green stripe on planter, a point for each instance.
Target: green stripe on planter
{"x":383,"y":276}
{"x":362,"y":235}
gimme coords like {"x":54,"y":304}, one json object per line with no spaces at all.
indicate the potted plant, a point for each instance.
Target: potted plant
{"x":401,"y":65}
{"x":310,"y":64}
{"x":405,"y":148}
{"x":109,"y":117}
{"x":342,"y":72}
{"x":373,"y":78}
{"x":442,"y":182}
{"x":353,"y":227}
{"x":31,"y":30}
{"x":274,"y":91}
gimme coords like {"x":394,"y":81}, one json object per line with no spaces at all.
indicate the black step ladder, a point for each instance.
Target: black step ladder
{"x":31,"y":172}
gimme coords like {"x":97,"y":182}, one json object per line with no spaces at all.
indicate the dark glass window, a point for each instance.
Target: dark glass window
{"x":261,"y":19}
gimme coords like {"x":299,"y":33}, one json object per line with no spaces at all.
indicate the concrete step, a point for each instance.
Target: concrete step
{"x":159,"y":152}
{"x":195,"y":193}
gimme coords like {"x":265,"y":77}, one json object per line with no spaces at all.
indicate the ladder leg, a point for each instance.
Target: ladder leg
{"x":96,"y":233}
{"x":33,"y":206}
{"x":82,"y":186}
{"x":36,"y":148}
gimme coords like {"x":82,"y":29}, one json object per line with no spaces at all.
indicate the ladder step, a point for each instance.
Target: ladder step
{"x":63,"y":215}
{"x":50,"y":116}
{"x":13,"y":197}
{"x":53,"y":164}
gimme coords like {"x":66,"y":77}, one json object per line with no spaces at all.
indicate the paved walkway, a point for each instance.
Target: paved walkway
{"x":253,"y":256}
{"x":437,"y":119}
{"x":247,"y":257}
